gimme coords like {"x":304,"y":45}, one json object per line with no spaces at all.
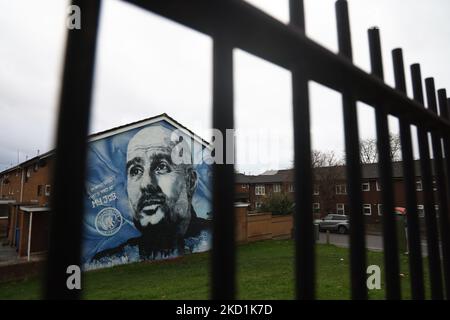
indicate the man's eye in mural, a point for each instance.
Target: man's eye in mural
{"x":161,"y":167}
{"x":135,"y":171}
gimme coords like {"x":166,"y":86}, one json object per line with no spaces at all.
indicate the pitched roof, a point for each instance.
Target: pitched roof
{"x":113,"y":131}
{"x":368,"y":171}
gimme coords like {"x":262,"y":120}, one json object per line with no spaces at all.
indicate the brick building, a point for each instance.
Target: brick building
{"x":24,"y":200}
{"x":330,"y":189}
{"x":26,"y":188}
{"x":254,"y":189}
{"x":25,"y":191}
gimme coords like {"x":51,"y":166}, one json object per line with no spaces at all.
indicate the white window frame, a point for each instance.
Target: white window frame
{"x":420,"y":207}
{"x":340,"y":207}
{"x":365,"y":184}
{"x":291,"y":187}
{"x":367,"y":206}
{"x":419,"y":183}
{"x":47,"y":190}
{"x":380,"y":212}
{"x":339,"y":188}
{"x":316,"y":206}
{"x":260,"y":190}
{"x":277,"y":187}
{"x":377,"y":186}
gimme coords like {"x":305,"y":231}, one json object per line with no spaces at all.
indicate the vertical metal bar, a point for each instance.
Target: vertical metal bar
{"x":430,"y":217}
{"x":357,"y":234}
{"x":223,"y":253}
{"x":390,"y":244}
{"x":441,"y":183}
{"x":303,"y":220}
{"x":413,"y":228}
{"x":73,"y":121}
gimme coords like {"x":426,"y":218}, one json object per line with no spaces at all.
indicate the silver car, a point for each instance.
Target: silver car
{"x":334,"y":222}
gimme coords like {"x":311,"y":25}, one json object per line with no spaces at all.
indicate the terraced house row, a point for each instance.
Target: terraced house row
{"x":330,"y":189}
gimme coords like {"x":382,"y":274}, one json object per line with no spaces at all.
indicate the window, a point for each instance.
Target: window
{"x":380,"y":209}
{"x":277,"y":187}
{"x":420,"y":211}
{"x":39,"y":190}
{"x":291,"y":187}
{"x":378,"y":186}
{"x":316,"y":207}
{"x":47,"y":190}
{"x":419,"y":185}
{"x":366,"y":186}
{"x":340,"y":208}
{"x":257,"y":205}
{"x":260,"y":189}
{"x":316,"y":190}
{"x":244,"y":186}
{"x":341,"y":189}
{"x":367,"y":209}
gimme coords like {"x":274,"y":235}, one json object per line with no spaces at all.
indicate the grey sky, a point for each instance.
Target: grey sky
{"x":147,"y":65}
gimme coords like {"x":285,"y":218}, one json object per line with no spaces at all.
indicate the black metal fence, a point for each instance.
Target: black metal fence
{"x":237,"y":24}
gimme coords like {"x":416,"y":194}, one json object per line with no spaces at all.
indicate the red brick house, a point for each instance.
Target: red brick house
{"x":24,"y":200}
{"x":330,"y":189}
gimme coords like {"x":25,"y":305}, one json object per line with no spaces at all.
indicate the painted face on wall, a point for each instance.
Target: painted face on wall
{"x":159,"y":191}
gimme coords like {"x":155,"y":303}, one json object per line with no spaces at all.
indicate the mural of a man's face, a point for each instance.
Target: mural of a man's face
{"x":159,"y":191}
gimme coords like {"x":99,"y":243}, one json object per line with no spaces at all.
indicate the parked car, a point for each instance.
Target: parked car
{"x":334,"y":222}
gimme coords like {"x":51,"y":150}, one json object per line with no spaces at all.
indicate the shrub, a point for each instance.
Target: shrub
{"x":278,"y":204}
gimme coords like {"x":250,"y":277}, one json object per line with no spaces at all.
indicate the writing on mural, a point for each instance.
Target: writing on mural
{"x":100,"y":201}
{"x":103,"y":193}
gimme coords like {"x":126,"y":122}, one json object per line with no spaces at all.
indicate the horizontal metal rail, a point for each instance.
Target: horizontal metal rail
{"x":258,"y":33}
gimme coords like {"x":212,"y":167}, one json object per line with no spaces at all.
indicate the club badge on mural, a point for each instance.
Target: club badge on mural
{"x":108,"y":221}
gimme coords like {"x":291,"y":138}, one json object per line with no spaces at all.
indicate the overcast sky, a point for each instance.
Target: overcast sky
{"x":147,"y":65}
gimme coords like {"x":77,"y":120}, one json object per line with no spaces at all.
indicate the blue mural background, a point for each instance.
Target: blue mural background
{"x":106,"y":187}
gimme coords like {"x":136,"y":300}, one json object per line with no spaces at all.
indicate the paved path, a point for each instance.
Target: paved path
{"x":7,"y":254}
{"x":373,"y":242}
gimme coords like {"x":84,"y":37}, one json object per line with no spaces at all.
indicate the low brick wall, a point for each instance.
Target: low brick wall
{"x":282,"y":226}
{"x":20,"y":271}
{"x":264,"y":226}
{"x":241,"y":224}
{"x":259,"y":226}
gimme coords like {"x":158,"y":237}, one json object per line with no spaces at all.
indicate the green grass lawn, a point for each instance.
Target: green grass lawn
{"x":265,"y":271}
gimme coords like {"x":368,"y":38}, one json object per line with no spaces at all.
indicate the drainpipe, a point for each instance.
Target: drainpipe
{"x":21,"y":185}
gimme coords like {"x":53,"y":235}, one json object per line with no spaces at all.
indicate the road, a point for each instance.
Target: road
{"x":373,"y":242}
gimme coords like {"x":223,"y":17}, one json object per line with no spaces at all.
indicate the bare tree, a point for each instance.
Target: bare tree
{"x":369,"y":151}
{"x":328,"y":172}
{"x":321,"y":159}
{"x":396,"y":147}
